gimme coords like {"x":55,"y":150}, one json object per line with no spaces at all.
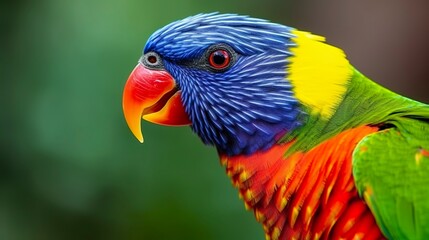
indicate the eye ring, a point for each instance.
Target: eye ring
{"x":219,"y":59}
{"x":152,"y":60}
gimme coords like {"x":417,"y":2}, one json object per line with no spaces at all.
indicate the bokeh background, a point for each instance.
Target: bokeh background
{"x":69,"y":166}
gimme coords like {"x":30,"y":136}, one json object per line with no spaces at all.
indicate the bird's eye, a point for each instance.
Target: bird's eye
{"x":219,"y":59}
{"x":152,"y":60}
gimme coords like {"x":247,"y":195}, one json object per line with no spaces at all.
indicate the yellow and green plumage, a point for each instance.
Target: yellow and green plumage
{"x":316,"y":149}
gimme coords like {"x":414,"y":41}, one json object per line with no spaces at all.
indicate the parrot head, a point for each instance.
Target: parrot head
{"x":227,"y":76}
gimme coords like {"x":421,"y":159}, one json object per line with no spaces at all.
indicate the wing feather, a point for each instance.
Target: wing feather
{"x":391,"y":171}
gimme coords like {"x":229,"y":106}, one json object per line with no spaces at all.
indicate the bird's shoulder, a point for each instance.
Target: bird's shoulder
{"x":391,"y":172}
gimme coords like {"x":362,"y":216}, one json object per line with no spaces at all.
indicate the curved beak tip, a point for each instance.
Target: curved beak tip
{"x":133,"y":113}
{"x":133,"y":119}
{"x":151,"y":95}
{"x":138,"y":135}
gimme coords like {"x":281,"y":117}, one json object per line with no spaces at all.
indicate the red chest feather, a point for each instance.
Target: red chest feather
{"x":307,"y":195}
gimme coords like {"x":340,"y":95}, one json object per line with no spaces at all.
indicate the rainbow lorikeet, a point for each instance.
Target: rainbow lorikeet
{"x":316,"y":149}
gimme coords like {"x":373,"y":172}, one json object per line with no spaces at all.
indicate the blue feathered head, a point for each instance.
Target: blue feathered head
{"x":229,"y":75}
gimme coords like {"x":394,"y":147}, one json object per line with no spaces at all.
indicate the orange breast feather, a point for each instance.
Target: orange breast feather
{"x":308,"y":195}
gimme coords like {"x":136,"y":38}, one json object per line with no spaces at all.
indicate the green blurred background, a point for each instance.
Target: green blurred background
{"x":69,"y":166}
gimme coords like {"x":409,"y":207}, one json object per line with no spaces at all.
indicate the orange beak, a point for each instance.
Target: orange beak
{"x":153,"y":96}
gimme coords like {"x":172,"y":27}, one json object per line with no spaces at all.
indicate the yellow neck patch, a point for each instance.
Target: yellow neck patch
{"x":319,"y":73}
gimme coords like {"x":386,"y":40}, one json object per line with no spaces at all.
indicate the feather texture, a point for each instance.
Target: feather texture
{"x":308,"y":195}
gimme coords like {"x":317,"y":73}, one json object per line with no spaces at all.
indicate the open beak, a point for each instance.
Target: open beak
{"x":153,"y":96}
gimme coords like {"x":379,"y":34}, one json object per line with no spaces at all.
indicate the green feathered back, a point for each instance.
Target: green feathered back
{"x":391,"y":171}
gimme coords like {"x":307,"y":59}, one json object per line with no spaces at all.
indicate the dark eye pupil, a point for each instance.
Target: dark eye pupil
{"x":152,"y":59}
{"x":218,"y":58}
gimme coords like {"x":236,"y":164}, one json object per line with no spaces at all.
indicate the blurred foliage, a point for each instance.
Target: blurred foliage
{"x":70,"y":169}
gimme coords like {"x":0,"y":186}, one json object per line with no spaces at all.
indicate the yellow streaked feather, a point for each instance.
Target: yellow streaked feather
{"x":319,"y":73}
{"x":276,"y":233}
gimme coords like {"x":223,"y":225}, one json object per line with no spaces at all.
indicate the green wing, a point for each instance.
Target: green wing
{"x":391,"y":171}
